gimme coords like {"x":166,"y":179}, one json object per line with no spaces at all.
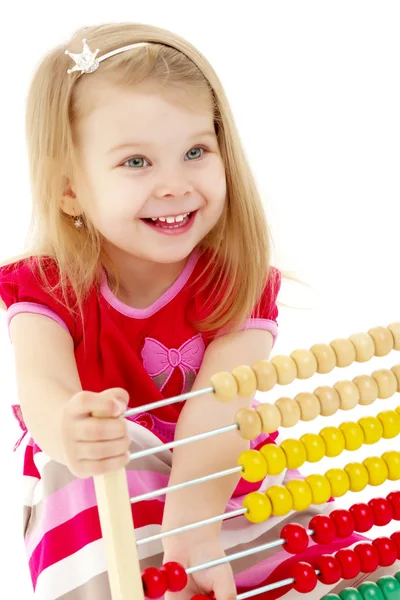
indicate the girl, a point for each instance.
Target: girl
{"x":148,"y":272}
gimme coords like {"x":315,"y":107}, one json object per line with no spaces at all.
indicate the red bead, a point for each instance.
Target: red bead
{"x":387,"y":551}
{"x":394,"y":499}
{"x":363,"y":517}
{"x":296,"y":538}
{"x":176,"y":576}
{"x":343,"y":521}
{"x":330,"y":569}
{"x":349,"y":562}
{"x":154,"y":582}
{"x":395,"y":537}
{"x":324,"y":529}
{"x":305,"y":578}
{"x":382,"y":510}
{"x":368,"y":555}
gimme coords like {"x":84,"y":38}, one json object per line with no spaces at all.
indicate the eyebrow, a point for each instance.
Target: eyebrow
{"x":127,"y":145}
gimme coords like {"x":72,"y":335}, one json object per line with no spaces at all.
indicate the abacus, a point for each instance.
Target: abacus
{"x":115,"y":506}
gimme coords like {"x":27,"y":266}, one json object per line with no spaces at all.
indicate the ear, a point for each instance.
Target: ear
{"x":69,"y":202}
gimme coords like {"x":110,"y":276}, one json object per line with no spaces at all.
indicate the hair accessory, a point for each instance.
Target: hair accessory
{"x":87,"y":61}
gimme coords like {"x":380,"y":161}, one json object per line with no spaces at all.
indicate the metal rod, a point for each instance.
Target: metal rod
{"x":173,"y":400}
{"x":265,"y":588}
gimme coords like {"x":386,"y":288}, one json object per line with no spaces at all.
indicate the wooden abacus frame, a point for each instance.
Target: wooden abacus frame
{"x":112,"y":489}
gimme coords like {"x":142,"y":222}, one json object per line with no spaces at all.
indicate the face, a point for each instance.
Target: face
{"x":153,"y":172}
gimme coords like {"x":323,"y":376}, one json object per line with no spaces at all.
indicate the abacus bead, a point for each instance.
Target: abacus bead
{"x":370,"y":591}
{"x":270,"y":417}
{"x":330,"y":597}
{"x":326,"y":358}
{"x":343,"y":521}
{"x":358,"y":476}
{"x":176,"y":576}
{"x":281,"y":500}
{"x":296,"y":538}
{"x":348,"y":394}
{"x":387,"y":551}
{"x":394,"y":499}
{"x":353,"y":435}
{"x":254,"y":465}
{"x":394,"y":329}
{"x":383,"y":340}
{"x":309,"y":406}
{"x":329,"y":567}
{"x":368,"y":555}
{"x":324,"y":529}
{"x":345,"y":352}
{"x":266,"y":375}
{"x":334,"y":441}
{"x":249,"y":423}
{"x":364,"y":346}
{"x":286,"y":369}
{"x":372,"y":429}
{"x":306,"y":363}
{"x":395,"y":537}
{"x":387,"y":382}
{"x":274,"y":457}
{"x":390,"y":420}
{"x":377,"y":470}
{"x":389,"y":587}
{"x":154,"y":582}
{"x":396,"y":372}
{"x":305,"y":578}
{"x":258,"y":506}
{"x":295,"y":453}
{"x":314,"y":445}
{"x":363,"y":517}
{"x":320,"y":488}
{"x":368,"y":389}
{"x":246,"y":380}
{"x":350,"y":593}
{"x":349,"y":562}
{"x":382,"y":509}
{"x":290,"y":411}
{"x":339,"y":482}
{"x":392,"y":460}
{"x":225,"y":386}
{"x":300,"y":492}
{"x":328,"y":399}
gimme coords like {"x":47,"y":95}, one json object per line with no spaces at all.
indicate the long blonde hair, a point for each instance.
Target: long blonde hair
{"x":239,"y":245}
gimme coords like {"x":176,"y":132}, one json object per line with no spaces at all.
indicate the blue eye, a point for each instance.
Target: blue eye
{"x":137,"y":162}
{"x":134,"y":160}
{"x":197,"y":148}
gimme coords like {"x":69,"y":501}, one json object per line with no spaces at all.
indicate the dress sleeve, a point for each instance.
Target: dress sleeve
{"x":22,"y":290}
{"x":265,"y":313}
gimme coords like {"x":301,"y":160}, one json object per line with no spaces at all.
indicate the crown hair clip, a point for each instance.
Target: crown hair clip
{"x":87,"y":61}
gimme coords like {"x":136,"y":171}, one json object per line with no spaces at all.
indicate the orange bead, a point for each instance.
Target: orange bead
{"x":249,"y":422}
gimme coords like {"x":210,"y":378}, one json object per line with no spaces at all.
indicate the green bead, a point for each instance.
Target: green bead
{"x":331,"y":597}
{"x":397,"y":575}
{"x":370,"y":591}
{"x":350,"y":593}
{"x":390,"y":587}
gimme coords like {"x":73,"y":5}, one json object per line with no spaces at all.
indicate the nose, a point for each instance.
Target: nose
{"x":172,"y":184}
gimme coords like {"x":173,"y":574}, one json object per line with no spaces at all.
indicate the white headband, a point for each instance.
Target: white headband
{"x":86,"y":61}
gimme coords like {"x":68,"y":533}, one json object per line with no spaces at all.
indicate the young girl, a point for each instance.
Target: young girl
{"x":148,"y":272}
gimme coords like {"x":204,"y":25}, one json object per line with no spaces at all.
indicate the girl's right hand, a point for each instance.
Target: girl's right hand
{"x":94,"y":445}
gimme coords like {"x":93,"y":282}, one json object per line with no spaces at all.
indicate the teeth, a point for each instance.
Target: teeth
{"x":177,"y":219}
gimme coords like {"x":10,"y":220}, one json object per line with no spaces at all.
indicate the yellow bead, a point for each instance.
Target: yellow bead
{"x":339,"y":482}
{"x":334,"y":441}
{"x":295,"y":453}
{"x":258,"y":506}
{"x":377,"y":470}
{"x":314,"y":445}
{"x":320,"y":488}
{"x":281,"y":500}
{"x":300,"y":492}
{"x":358,"y":476}
{"x":392,"y":460}
{"x":390,"y":420}
{"x":246,"y":380}
{"x":372,"y":428}
{"x":254,"y":465}
{"x":353,"y":435}
{"x":225,"y":386}
{"x":275,"y":458}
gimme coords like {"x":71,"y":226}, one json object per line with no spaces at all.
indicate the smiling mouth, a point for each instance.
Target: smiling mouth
{"x":170,"y":222}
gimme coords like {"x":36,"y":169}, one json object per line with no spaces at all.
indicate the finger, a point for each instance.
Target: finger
{"x":110,"y":403}
{"x":102,"y":450}
{"x":224,"y":587}
{"x":100,"y":430}
{"x":99,"y":467}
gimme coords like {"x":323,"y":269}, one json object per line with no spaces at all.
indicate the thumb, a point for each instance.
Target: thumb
{"x":224,"y":586}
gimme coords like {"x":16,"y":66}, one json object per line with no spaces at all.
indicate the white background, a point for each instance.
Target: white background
{"x":314,"y":87}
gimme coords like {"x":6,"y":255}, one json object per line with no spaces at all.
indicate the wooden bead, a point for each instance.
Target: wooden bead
{"x":368,"y":388}
{"x":364,"y":345}
{"x":326,"y":358}
{"x":249,"y":422}
{"x":348,"y":394}
{"x":310,"y":407}
{"x":266,"y":375}
{"x":329,"y":400}
{"x":396,"y":371}
{"x":387,"y":382}
{"x":290,"y":411}
{"x":270,"y":417}
{"x":246,"y":379}
{"x":225,"y":386}
{"x":383,"y":340}
{"x":285,"y":368}
{"x":345,"y":352}
{"x":394,"y":329}
{"x":306,"y":363}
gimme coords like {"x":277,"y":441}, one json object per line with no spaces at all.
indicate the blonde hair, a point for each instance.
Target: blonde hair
{"x":239,"y":245}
